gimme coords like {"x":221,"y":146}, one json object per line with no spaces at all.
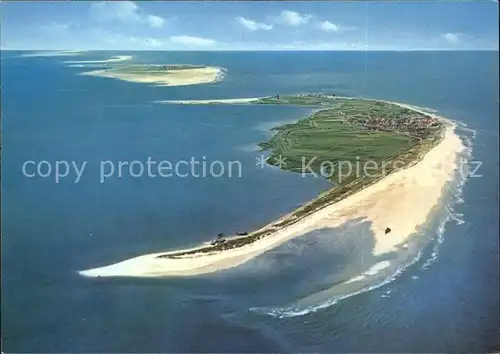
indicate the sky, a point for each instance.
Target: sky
{"x":256,"y":25}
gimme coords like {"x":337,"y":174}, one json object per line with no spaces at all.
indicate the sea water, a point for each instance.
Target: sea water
{"x":438,"y":294}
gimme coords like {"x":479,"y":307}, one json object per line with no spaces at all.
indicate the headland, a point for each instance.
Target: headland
{"x":415,"y":154}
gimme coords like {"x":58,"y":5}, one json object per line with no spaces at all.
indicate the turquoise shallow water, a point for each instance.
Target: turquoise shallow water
{"x":286,"y":300}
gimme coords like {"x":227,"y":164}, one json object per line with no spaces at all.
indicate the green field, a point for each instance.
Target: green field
{"x":339,"y":144}
{"x":325,"y":138}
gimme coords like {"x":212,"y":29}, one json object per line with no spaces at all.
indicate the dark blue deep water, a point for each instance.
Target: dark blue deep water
{"x":446,"y":301}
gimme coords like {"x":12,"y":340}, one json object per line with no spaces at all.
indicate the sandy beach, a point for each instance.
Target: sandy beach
{"x":402,"y":201}
{"x":194,"y":76}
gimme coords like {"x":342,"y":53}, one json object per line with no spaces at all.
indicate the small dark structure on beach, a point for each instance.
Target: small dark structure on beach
{"x":242,"y":233}
{"x":220,"y":239}
{"x":217,"y":242}
{"x":387,"y":230}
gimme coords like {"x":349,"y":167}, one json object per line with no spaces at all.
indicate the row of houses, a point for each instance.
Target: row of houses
{"x":411,"y":123}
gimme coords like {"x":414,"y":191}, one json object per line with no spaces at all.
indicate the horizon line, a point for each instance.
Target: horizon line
{"x":255,"y":50}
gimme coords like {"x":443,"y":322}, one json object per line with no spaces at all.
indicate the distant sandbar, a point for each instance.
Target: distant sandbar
{"x":162,"y":75}
{"x":61,"y":53}
{"x":114,"y":59}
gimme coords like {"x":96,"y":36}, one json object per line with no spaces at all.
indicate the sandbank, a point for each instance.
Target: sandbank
{"x":114,"y":59}
{"x":371,"y":271}
{"x":188,"y":76}
{"x":61,"y":53}
{"x":402,"y":201}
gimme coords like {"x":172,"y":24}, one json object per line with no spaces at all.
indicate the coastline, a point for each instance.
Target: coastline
{"x":421,"y":184}
{"x":184,"y":77}
{"x":424,"y":110}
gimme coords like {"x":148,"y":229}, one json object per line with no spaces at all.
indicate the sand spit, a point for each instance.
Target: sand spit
{"x":424,"y":110}
{"x":403,"y":201}
{"x":115,"y":59}
{"x":222,"y":101}
{"x":61,"y":53}
{"x":189,"y":76}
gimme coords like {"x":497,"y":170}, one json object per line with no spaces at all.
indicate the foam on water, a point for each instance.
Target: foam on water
{"x":221,"y":74}
{"x":456,"y":197}
{"x":293,"y":311}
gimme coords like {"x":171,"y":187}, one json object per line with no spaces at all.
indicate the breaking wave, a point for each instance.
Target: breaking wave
{"x":294,"y":311}
{"x":468,"y":135}
{"x":221,"y":74}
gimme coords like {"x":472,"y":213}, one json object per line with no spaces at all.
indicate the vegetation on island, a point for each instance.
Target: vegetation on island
{"x":343,"y":132}
{"x":352,"y":131}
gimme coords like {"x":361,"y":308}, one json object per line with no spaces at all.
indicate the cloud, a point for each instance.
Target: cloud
{"x":173,"y":42}
{"x":452,"y":37}
{"x":56,"y":27}
{"x":253,"y":25}
{"x":328,"y":26}
{"x":148,"y":42}
{"x":155,"y":21}
{"x":127,"y":12}
{"x":311,"y":46}
{"x":191,"y":41}
{"x":292,"y":18}
{"x":106,"y":39}
{"x":124,"y":11}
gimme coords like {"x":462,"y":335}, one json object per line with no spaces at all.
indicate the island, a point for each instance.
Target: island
{"x":159,"y":74}
{"x":412,"y":153}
